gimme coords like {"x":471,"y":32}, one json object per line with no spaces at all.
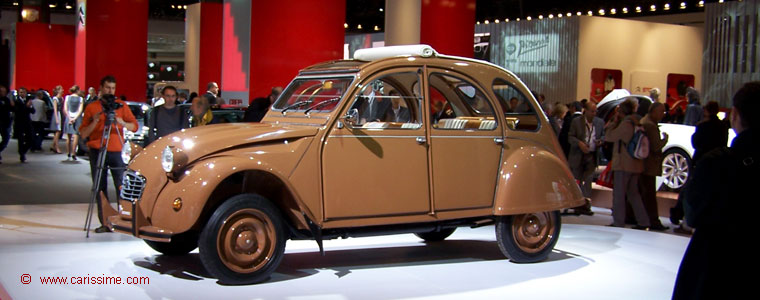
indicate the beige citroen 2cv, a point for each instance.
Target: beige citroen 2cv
{"x":397,"y":140}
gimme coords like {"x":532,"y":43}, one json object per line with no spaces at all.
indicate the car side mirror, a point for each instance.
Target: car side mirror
{"x":351,"y":117}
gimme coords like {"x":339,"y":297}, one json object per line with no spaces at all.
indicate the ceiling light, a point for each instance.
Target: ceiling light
{"x":638,"y":9}
{"x":377,"y":28}
{"x":613,"y":11}
{"x":683,"y":5}
{"x":578,"y":13}
{"x":381,"y":9}
{"x":590,"y":13}
{"x":184,"y":6}
{"x":625,"y":10}
{"x":569,"y":14}
{"x":15,"y":3}
{"x":52,"y":5}
{"x":173,"y":7}
{"x":540,"y":17}
{"x":496,"y":21}
{"x":359,"y":26}
{"x":720,"y":1}
{"x":601,"y":12}
{"x":486,"y":22}
{"x":68,"y":6}
{"x":701,"y":3}
{"x":506,"y":20}
{"x":345,"y":25}
{"x":558,"y":15}
{"x":667,"y":6}
{"x":528,"y":18}
{"x":518,"y":19}
{"x":653,"y":7}
{"x":478,"y":22}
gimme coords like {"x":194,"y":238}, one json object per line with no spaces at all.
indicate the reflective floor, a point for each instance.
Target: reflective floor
{"x":590,"y":262}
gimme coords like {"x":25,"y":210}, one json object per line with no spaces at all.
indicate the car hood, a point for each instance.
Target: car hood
{"x":206,"y":140}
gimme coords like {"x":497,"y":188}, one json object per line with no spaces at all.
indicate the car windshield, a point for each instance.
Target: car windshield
{"x":313,"y":94}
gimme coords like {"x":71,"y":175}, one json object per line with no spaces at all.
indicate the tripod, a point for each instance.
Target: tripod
{"x":100,"y":170}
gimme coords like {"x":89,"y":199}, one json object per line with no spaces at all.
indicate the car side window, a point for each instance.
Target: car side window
{"x":391,"y":101}
{"x":456,"y":104}
{"x":519,"y":112}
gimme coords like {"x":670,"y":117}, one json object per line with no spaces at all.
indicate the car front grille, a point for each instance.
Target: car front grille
{"x":132,"y":185}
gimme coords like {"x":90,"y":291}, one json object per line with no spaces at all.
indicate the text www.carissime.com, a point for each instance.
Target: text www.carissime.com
{"x":88,"y":279}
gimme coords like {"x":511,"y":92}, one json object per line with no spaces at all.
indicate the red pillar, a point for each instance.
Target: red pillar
{"x":210,"y":50}
{"x":448,"y":26}
{"x":289,"y":35}
{"x":114,"y":41}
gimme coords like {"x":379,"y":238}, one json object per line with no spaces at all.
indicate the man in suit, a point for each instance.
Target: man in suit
{"x":653,"y":162}
{"x":397,"y":113}
{"x":372,"y":106}
{"x":585,"y":137}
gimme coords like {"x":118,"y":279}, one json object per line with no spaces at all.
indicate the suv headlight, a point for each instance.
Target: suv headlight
{"x":126,"y":153}
{"x":167,"y":159}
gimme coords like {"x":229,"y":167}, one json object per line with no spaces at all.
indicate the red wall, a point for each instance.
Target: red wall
{"x":289,"y":35}
{"x":44,"y":56}
{"x":116,"y":44}
{"x":210,"y":52}
{"x":449,"y":26}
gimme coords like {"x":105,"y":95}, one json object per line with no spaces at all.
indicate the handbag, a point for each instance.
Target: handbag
{"x":605,"y":179}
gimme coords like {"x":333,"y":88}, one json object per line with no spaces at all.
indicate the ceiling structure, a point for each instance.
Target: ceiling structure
{"x":371,"y":16}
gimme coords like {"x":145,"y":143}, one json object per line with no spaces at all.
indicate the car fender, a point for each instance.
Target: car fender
{"x":210,"y":181}
{"x":533,"y":179}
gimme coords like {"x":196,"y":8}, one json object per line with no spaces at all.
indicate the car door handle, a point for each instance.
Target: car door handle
{"x":421,"y":140}
{"x":498,"y":141}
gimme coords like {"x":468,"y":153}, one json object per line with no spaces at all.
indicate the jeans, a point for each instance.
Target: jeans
{"x":116,"y":165}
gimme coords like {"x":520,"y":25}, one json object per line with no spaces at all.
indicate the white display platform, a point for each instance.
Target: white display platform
{"x":589,"y":262}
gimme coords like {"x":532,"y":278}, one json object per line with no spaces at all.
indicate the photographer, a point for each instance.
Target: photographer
{"x":93,"y":126}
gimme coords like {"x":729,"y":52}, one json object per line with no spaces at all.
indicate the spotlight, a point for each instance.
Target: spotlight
{"x":518,"y":20}
{"x":701,"y":3}
{"x":667,"y":6}
{"x":496,"y":21}
{"x":625,"y":10}
{"x":377,"y":28}
{"x":381,"y":9}
{"x":601,"y":12}
{"x":173,"y":7}
{"x":184,"y":6}
{"x":486,"y":22}
{"x":638,"y":9}
{"x":529,"y":18}
{"x":52,"y":5}
{"x":653,"y":7}
{"x":559,"y":16}
{"x":720,"y":1}
{"x":506,"y":20}
{"x":569,"y":14}
{"x":590,"y":13}
{"x":359,"y":26}
{"x":578,"y":13}
{"x":613,"y":11}
{"x":68,"y":6}
{"x":540,"y":17}
{"x":477,"y":23}
{"x":683,"y":5}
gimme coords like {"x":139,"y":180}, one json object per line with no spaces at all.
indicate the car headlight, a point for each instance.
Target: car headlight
{"x":126,"y":153}
{"x":167,"y":159}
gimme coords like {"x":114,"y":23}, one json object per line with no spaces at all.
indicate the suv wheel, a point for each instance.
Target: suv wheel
{"x":180,"y":244}
{"x":435,"y":236}
{"x":243,"y":241}
{"x":528,"y":238}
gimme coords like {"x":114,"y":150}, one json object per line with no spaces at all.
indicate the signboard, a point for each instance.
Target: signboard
{"x":532,"y":53}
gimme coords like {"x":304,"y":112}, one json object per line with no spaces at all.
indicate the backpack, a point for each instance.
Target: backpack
{"x":638,"y":146}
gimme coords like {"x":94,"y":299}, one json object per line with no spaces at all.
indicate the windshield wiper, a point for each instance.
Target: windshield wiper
{"x":297,"y":104}
{"x":320,"y":104}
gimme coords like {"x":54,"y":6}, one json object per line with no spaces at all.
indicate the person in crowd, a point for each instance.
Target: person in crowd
{"x":6,"y":107}
{"x":39,"y":119}
{"x":513,"y":104}
{"x":397,"y":113}
{"x":72,"y":111}
{"x":190,"y":98}
{"x":574,"y":111}
{"x":557,"y":116}
{"x":625,"y":167}
{"x":181,"y":98}
{"x":259,"y":106}
{"x":93,"y":126}
{"x":721,"y":212}
{"x":167,"y":118}
{"x":585,"y":138}
{"x":694,"y":109}
{"x":157,"y":100}
{"x":55,"y":119}
{"x":653,"y":163}
{"x":201,"y":111}
{"x":91,"y":96}
{"x":212,"y":90}
{"x":654,"y":94}
{"x":711,"y":133}
{"x":22,"y":123}
{"x":372,"y":106}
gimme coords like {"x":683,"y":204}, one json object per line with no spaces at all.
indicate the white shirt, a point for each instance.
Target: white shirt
{"x":590,"y":135}
{"x":39,"y":114}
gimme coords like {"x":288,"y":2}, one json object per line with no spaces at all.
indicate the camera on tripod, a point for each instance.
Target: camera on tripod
{"x":110,"y":104}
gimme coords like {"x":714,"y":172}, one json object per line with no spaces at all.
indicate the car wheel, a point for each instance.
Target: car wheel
{"x":675,"y":168}
{"x":528,"y":238}
{"x":180,"y":244}
{"x":243,"y":241}
{"x":435,"y":236}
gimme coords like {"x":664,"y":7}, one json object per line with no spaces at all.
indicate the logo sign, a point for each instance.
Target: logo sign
{"x":532,"y":53}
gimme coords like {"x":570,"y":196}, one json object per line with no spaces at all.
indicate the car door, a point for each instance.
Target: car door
{"x":465,"y":142}
{"x":377,"y":165}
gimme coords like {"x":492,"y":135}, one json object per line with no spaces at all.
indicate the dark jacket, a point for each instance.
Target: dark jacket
{"x":22,"y":116}
{"x":5,"y":112}
{"x":577,"y":134}
{"x":653,"y":162}
{"x":256,"y":110}
{"x":721,"y":204}
{"x":709,"y":134}
{"x":562,"y":136}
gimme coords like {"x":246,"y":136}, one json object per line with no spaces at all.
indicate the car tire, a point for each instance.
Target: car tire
{"x":528,"y":238}
{"x":180,"y":244}
{"x":435,"y":236}
{"x":243,"y":241}
{"x":676,"y":165}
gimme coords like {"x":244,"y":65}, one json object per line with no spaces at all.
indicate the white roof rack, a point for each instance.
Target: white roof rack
{"x":371,"y":54}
